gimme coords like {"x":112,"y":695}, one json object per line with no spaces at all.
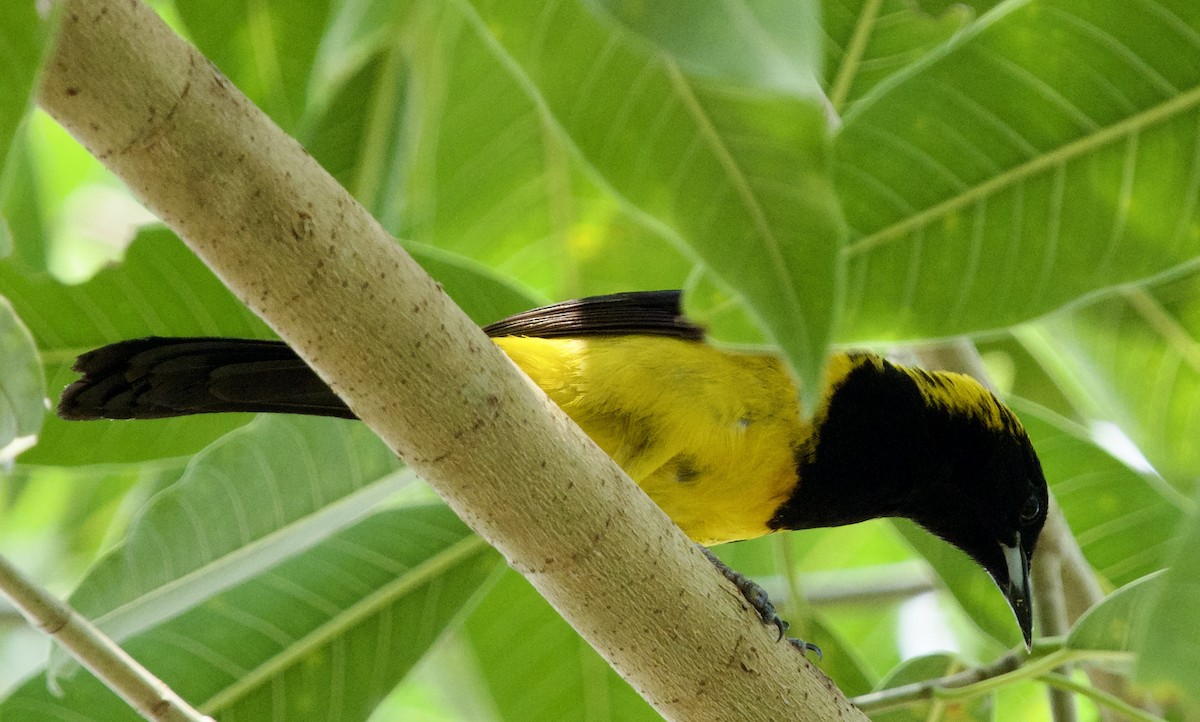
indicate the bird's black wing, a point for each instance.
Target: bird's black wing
{"x":153,"y":378}
{"x":651,"y":313}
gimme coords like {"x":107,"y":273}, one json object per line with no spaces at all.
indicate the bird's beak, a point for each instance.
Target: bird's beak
{"x":1017,"y":591}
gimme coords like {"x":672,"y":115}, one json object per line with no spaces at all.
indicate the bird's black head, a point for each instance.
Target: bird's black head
{"x":937,"y":448}
{"x":989,"y":498}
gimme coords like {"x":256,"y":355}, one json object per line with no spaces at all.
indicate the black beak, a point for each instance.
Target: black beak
{"x":1017,"y":591}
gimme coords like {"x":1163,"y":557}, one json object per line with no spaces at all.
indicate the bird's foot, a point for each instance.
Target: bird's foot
{"x":757,"y":598}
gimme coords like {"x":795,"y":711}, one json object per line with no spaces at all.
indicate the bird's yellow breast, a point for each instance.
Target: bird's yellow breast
{"x":710,"y":435}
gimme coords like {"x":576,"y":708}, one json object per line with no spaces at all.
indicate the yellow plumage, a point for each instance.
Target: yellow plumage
{"x":710,"y":435}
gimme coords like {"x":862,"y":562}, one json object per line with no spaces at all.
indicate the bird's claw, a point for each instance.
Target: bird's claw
{"x":806,"y":647}
{"x":758,"y":600}
{"x":781,"y":625}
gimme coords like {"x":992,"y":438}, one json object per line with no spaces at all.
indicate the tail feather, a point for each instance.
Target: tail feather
{"x":152,"y":378}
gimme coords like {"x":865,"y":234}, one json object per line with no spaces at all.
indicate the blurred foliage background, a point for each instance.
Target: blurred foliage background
{"x":873,"y":173}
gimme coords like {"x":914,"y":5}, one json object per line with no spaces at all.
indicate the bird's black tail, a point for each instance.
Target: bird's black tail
{"x":153,"y":378}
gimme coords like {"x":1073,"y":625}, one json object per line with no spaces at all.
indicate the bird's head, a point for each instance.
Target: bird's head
{"x":934,"y":447}
{"x":990,"y":501}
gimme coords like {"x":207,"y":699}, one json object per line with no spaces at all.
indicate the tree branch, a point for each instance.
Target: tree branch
{"x":121,"y":673}
{"x":305,"y":256}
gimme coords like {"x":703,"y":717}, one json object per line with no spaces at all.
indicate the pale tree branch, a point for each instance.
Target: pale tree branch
{"x":299,"y":250}
{"x":121,"y":673}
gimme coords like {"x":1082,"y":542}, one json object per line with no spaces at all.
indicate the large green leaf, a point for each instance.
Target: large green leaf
{"x":487,"y":175}
{"x":769,"y":44}
{"x":1118,"y":623}
{"x":266,"y":49}
{"x":23,"y":36}
{"x":1134,"y":358}
{"x":22,"y":387}
{"x":867,"y":41}
{"x":1170,"y":643}
{"x":739,"y":176}
{"x":1121,"y":518}
{"x":537,"y":669}
{"x":995,"y":181}
{"x":500,"y":187}
{"x":262,"y":494}
{"x":324,"y":635}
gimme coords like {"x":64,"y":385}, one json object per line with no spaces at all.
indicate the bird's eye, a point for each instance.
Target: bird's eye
{"x":1031,"y":509}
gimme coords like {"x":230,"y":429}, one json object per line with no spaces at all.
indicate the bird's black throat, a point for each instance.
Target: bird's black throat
{"x":881,"y":450}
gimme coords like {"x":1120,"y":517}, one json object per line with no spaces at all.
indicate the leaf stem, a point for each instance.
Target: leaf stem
{"x":1099,"y":696}
{"x":853,"y":56}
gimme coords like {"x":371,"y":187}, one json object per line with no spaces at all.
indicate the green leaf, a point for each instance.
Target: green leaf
{"x":993,"y":181}
{"x":1118,"y":623}
{"x":266,"y":49}
{"x":23,"y":43}
{"x":1121,"y":518}
{"x":768,"y":45}
{"x":324,"y":635}
{"x":23,"y":37}
{"x":260,"y":495}
{"x":1169,"y":652}
{"x":970,"y":585}
{"x":1134,"y":358}
{"x":739,"y":176}
{"x":868,"y":41}
{"x":500,"y":187}
{"x":489,"y":176}
{"x":22,"y":386}
{"x":536,"y":667}
{"x":919,"y":669}
{"x":21,"y":221}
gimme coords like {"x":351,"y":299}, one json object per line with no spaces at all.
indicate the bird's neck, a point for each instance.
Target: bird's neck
{"x":883,"y":439}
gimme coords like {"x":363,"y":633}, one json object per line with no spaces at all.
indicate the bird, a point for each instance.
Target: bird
{"x":715,"y":436}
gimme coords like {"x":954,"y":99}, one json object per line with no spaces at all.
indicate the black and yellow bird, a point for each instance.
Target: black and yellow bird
{"x":715,"y":437}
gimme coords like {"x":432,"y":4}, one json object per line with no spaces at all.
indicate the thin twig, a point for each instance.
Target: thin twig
{"x":887,"y":699}
{"x":1047,"y":655}
{"x":1103,"y":699}
{"x":153,"y":699}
